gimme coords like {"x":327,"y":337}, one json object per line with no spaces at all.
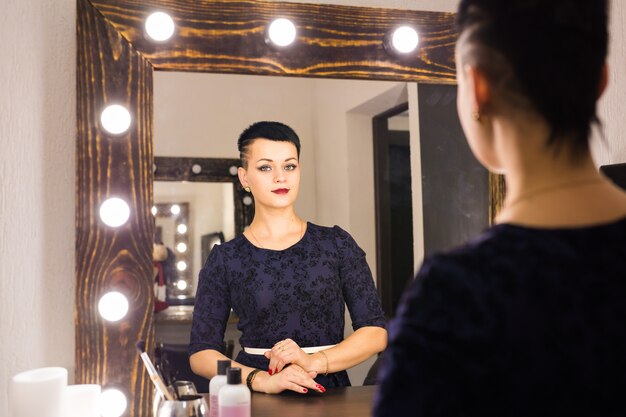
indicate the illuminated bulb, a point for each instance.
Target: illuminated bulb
{"x":181,"y":265}
{"x":115,"y":119}
{"x":113,"y":306}
{"x":181,"y":247}
{"x":181,"y":228}
{"x":154,"y":210}
{"x":181,"y":285}
{"x":175,"y":209}
{"x":232,"y":170}
{"x":112,"y":403}
{"x":404,"y":39}
{"x":160,"y":26}
{"x":114,"y":212}
{"x":282,"y":32}
{"x":196,"y":168}
{"x":247,"y":200}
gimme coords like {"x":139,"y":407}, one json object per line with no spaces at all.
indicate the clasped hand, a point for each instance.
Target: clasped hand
{"x":297,"y":377}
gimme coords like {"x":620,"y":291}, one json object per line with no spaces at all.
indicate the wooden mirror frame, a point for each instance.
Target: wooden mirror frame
{"x":115,"y":63}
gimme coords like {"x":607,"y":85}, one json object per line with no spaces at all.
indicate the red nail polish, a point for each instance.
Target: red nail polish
{"x":321,"y":388}
{"x":305,"y":390}
{"x":269,"y":371}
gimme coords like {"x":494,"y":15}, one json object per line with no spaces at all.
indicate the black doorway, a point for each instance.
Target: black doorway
{"x":394,"y":207}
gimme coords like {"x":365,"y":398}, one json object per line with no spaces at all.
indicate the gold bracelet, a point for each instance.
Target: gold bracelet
{"x":325,"y":357}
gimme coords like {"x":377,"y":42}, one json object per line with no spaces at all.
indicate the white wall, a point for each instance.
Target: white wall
{"x":611,"y":106}
{"x":37,"y":137}
{"x":37,"y":132}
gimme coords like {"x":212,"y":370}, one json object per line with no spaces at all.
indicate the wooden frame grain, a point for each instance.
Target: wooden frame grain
{"x":115,"y":64}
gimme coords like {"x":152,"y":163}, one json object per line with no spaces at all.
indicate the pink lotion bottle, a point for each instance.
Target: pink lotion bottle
{"x":234,"y":397}
{"x":217,"y":382}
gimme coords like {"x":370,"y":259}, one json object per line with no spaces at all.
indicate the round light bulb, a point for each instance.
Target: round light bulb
{"x":113,"y":306}
{"x":175,"y":209}
{"x":154,"y":210}
{"x":181,"y":265}
{"x":405,"y":39}
{"x":282,"y":32}
{"x":247,"y":200}
{"x":181,"y":285}
{"x":115,"y":119}
{"x":232,"y":170}
{"x":181,"y":228}
{"x":160,"y":26}
{"x":114,"y":212}
{"x":181,"y":247}
{"x":113,"y":403}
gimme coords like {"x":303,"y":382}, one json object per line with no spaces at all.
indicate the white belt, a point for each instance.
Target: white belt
{"x":261,"y":351}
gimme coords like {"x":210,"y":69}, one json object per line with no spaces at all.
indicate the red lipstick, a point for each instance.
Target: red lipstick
{"x":281,"y":191}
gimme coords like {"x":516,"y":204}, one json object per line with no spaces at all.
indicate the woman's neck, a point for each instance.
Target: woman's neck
{"x":551,"y":187}
{"x":275,"y":222}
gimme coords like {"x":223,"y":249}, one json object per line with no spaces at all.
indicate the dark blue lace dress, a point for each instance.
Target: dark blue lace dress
{"x":298,"y":293}
{"x":521,"y":322}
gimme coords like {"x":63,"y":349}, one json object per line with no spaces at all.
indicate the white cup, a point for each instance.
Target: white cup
{"x":82,"y":400}
{"x":38,"y":393}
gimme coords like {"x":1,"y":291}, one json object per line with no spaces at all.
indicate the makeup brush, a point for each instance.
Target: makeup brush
{"x":154,"y":375}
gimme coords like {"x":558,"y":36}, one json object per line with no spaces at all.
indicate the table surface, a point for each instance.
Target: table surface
{"x":335,"y":402}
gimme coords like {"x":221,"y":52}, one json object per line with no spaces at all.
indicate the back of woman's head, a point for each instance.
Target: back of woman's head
{"x":547,"y":55}
{"x":275,"y":131}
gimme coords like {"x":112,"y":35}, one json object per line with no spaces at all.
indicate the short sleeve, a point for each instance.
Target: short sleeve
{"x":212,"y":306}
{"x":357,"y":283}
{"x":437,"y":346}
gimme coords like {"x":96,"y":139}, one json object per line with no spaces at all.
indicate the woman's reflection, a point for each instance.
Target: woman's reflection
{"x":288,"y":281}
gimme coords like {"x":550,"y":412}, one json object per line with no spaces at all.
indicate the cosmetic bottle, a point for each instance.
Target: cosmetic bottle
{"x":234,"y":397}
{"x":217,"y":382}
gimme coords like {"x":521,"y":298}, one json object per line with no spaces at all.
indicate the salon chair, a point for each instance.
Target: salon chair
{"x":372,"y":375}
{"x":172,"y":361}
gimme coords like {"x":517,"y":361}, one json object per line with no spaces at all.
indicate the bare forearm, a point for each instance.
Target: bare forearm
{"x":353,"y":350}
{"x":204,"y":363}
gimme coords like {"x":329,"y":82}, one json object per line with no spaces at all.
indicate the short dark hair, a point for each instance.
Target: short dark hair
{"x":549,"y":53}
{"x":265,"y":130}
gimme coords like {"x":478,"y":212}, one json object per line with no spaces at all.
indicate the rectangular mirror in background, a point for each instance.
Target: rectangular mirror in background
{"x":202,"y":115}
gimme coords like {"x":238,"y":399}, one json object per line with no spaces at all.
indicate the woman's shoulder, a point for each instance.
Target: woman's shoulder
{"x":329,"y":232}
{"x":222,"y":252}
{"x":331,"y":235}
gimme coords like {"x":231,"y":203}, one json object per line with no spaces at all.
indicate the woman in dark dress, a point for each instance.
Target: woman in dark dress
{"x":288,"y":281}
{"x":528,"y":319}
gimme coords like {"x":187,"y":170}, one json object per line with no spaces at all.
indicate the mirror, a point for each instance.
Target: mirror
{"x":210,"y":207}
{"x":115,"y":64}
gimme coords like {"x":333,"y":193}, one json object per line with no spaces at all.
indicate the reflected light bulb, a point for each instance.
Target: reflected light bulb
{"x":181,"y":247}
{"x":154,"y":210}
{"x":181,"y":228}
{"x":113,"y":306}
{"x":160,"y":26}
{"x":112,"y":403}
{"x":405,"y":39}
{"x":247,"y":200}
{"x":114,"y":212}
{"x":181,"y":265}
{"x":115,"y":119}
{"x":175,"y":209}
{"x":181,"y":285}
{"x":282,"y":32}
